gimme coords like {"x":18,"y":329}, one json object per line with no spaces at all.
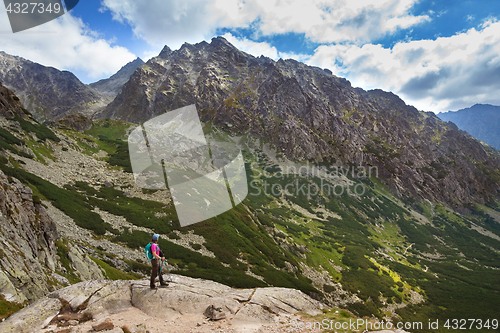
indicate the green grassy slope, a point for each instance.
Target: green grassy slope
{"x":385,"y":251}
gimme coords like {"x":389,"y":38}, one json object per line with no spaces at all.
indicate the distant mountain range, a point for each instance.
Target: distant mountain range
{"x":481,"y":121}
{"x":50,"y":94}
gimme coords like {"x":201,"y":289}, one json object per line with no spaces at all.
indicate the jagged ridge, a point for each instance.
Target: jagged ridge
{"x":310,"y":114}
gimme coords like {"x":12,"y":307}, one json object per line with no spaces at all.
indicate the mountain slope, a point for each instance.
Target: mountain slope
{"x":28,"y":234}
{"x":47,"y":92}
{"x":309,"y":114}
{"x":113,"y":85}
{"x":359,"y":247}
{"x":480,"y":120}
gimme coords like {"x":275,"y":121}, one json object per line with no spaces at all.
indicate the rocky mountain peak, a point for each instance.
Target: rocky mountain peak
{"x":47,"y":92}
{"x":308,"y":114}
{"x":480,"y":120}
{"x":113,"y":85}
{"x":165,"y":52}
{"x":220,"y":41}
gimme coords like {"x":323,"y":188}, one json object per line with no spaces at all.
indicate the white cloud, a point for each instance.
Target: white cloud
{"x":262,"y":48}
{"x":163,"y":22}
{"x":254,"y":48}
{"x":173,"y":22}
{"x":438,"y":75}
{"x":65,"y":43}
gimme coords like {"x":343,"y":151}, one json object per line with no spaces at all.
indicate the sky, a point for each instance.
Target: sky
{"x":436,"y":55}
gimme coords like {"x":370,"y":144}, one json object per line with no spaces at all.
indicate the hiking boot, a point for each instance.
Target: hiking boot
{"x":153,"y":287}
{"x":164,"y":285}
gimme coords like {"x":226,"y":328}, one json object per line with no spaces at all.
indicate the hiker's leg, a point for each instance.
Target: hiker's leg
{"x":161,"y":277}
{"x":154,"y":272}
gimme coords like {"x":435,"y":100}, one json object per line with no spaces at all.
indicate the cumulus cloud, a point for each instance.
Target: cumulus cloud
{"x":254,"y":48}
{"x":434,"y":75}
{"x":65,"y":43}
{"x":263,"y":48}
{"x":174,"y":22}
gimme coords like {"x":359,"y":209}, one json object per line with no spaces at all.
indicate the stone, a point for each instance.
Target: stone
{"x":114,"y":330}
{"x":141,"y":328}
{"x":79,"y":293}
{"x":32,"y":318}
{"x":254,"y":314}
{"x":104,"y":324}
{"x":76,"y":122}
{"x":72,"y":322}
{"x":214,"y":313}
{"x":85,"y":267}
{"x":185,"y":296}
{"x":28,"y":237}
{"x":60,"y":279}
{"x":9,"y":290}
{"x":112,"y":298}
{"x":286,"y":301}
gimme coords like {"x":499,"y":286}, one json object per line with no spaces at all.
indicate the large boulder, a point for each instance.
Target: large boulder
{"x":112,"y":298}
{"x":77,"y":294}
{"x":243,"y":306}
{"x":32,"y":318}
{"x":184,"y":295}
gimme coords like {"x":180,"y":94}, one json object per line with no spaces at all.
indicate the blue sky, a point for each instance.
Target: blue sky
{"x":436,"y":55}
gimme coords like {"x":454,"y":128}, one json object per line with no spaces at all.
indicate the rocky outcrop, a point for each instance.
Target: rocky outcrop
{"x":10,"y":106}
{"x":308,"y":113}
{"x":28,"y":234}
{"x":184,"y":295}
{"x":75,"y":122}
{"x":29,"y":258}
{"x":46,"y":92}
{"x":113,"y":85}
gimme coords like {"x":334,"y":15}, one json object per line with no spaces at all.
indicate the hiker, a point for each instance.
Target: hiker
{"x":155,"y":262}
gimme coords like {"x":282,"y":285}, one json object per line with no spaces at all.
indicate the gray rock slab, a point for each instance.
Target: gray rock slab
{"x":179,"y":299}
{"x":112,"y":298}
{"x":78,"y":293}
{"x":286,"y":301}
{"x":254,"y":314}
{"x":32,"y":318}
{"x":210,"y":288}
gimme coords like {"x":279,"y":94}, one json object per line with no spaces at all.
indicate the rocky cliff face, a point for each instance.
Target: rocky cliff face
{"x":9,"y":104}
{"x":29,"y":257}
{"x":310,"y":114}
{"x":28,"y":234}
{"x":113,"y":85}
{"x":46,"y":92}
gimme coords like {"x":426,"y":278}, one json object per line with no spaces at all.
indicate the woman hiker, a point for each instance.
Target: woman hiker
{"x":155,"y":263}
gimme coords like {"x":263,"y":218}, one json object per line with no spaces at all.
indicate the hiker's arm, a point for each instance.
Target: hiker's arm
{"x":153,"y":251}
